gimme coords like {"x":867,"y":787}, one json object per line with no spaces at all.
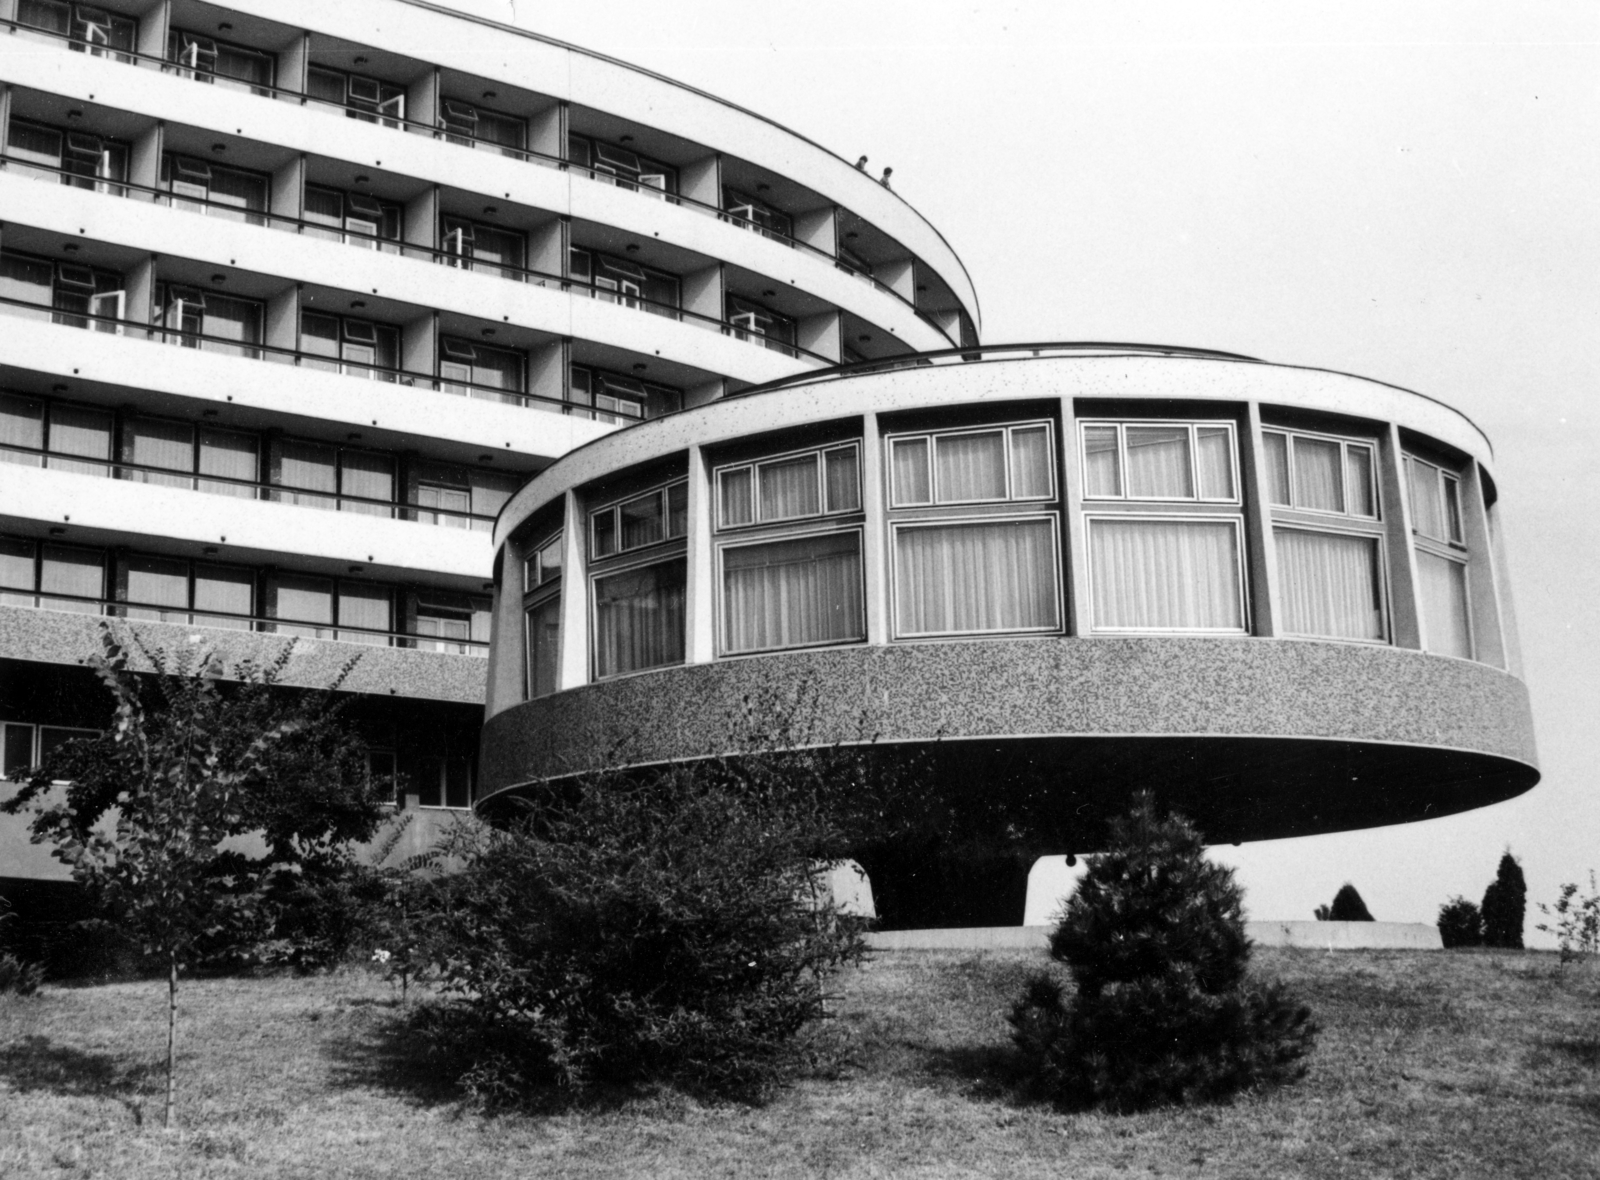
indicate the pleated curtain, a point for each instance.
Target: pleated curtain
{"x":1102,"y":470}
{"x":1443,"y":592}
{"x":297,"y":599}
{"x":1165,"y":574}
{"x":1427,"y":510}
{"x":639,"y":619}
{"x":152,"y":442}
{"x":21,"y":425}
{"x":1158,"y":462}
{"x":76,"y":572}
{"x":1330,"y":584}
{"x":307,"y":468}
{"x":792,"y":593}
{"x":79,"y":432}
{"x":370,"y":477}
{"x":1031,"y":461}
{"x":228,"y":456}
{"x":157,"y":588}
{"x":971,"y":467}
{"x":1214,"y":460}
{"x":368,"y":607}
{"x":544,"y":646}
{"x":231,"y":591}
{"x":789,"y":488}
{"x":843,"y":480}
{"x":909,"y":461}
{"x":1277,"y":454}
{"x":976,"y":576}
{"x":1318,"y":475}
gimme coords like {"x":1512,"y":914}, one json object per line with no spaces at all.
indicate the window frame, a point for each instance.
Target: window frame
{"x":640,"y":559}
{"x":752,"y":540}
{"x":1057,"y":568}
{"x":1005,"y":429}
{"x":1192,"y":425}
{"x":1241,"y":570}
{"x":615,"y":508}
{"x":539,"y":591}
{"x":1370,"y":445}
{"x":753,"y":466}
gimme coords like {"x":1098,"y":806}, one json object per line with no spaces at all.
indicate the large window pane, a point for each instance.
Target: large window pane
{"x":1331,"y":584}
{"x":642,"y":522}
{"x":1318,"y":485}
{"x":151,"y":442}
{"x":639,"y":619}
{"x":1427,"y":510}
{"x":233,"y":320}
{"x":312,"y":467}
{"x":1358,"y":482}
{"x":21,"y":425}
{"x":909,"y":462}
{"x":789,"y":488}
{"x":1102,"y":470}
{"x":159,"y":588}
{"x":976,"y":576}
{"x":370,"y":477}
{"x":1277,"y":448}
{"x":300,"y":600}
{"x":365,"y":606}
{"x":80,"y":432}
{"x":1158,"y":462}
{"x":734,"y":491}
{"x":1214,"y":457}
{"x":229,"y":456}
{"x":77,"y":573}
{"x":792,"y":593}
{"x":844,"y":480}
{"x":544,"y":647}
{"x":26,"y":279}
{"x":37,"y":145}
{"x":230,"y":591}
{"x":971,"y":467}
{"x":16,"y":572}
{"x":1443,"y":591}
{"x":1165,"y":575}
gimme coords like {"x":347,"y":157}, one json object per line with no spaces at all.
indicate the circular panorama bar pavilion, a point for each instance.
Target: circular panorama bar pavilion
{"x":1055,"y":574}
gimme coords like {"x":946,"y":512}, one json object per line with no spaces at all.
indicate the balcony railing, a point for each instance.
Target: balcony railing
{"x":243,"y":489}
{"x":316,"y":229}
{"x":452,"y":135}
{"x":230,"y":621}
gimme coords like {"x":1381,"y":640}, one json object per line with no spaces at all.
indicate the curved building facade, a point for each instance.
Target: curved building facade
{"x":295,"y":296}
{"x":1053,"y":574}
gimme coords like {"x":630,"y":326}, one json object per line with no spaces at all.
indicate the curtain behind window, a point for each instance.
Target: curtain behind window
{"x":237,"y":190}
{"x":1277,"y":454}
{"x":971,"y":467}
{"x":1318,"y":478}
{"x":309,"y":466}
{"x":80,"y":432}
{"x":367,"y":606}
{"x":21,"y":425}
{"x":369,"y":476}
{"x":792,"y":593}
{"x":909,"y":467}
{"x":1030,"y":462}
{"x":232,"y":319}
{"x":53,"y":15}
{"x":1214,"y":457}
{"x":298,"y":599}
{"x":639,"y":619}
{"x":1427,"y":509}
{"x":844,"y":482}
{"x":1331,"y":584}
{"x":1158,"y":462}
{"x":544,"y":647}
{"x":1443,"y":592}
{"x":789,"y":488}
{"x":219,"y":588}
{"x":37,"y":145}
{"x":16,"y":571}
{"x":160,"y":588}
{"x":228,"y":456}
{"x":77,"y":572}
{"x":1102,"y":467}
{"x":1163,"y":575}
{"x":151,"y":442}
{"x":976,"y":577}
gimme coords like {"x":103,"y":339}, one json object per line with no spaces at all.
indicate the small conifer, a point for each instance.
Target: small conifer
{"x":1348,"y":907}
{"x":1504,"y":904}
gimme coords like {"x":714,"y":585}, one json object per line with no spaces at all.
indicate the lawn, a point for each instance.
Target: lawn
{"x":1430,"y":1064}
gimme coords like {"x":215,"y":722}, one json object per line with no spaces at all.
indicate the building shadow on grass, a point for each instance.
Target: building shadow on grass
{"x":36,"y":1064}
{"x":987,"y":1072}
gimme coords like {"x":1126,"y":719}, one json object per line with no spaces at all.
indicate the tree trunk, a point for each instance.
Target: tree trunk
{"x":172,"y":1038}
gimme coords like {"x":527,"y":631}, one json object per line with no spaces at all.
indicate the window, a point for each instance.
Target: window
{"x":172,"y":590}
{"x":81,"y":296}
{"x":1161,"y":555}
{"x":203,"y":187}
{"x":492,"y":249}
{"x":761,"y":325}
{"x":194,"y":318}
{"x":621,"y":166}
{"x":77,"y":158}
{"x":541,"y":583}
{"x":610,"y":397}
{"x":972,"y":467}
{"x":356,"y":348}
{"x":789,"y":487}
{"x":355,"y":218}
{"x":475,"y":126}
{"x":325,"y":608}
{"x":757,"y":215}
{"x":23,"y":746}
{"x":458,"y":496}
{"x":638,"y":618}
{"x":476,"y":370}
{"x":657,"y":516}
{"x":1439,"y":539}
{"x":205,"y":59}
{"x":1323,"y":496}
{"x":320,"y":475}
{"x":55,"y":577}
{"x":617,"y":280}
{"x":990,"y":570}
{"x":57,"y":435}
{"x":92,"y":30}
{"x":363,"y":98}
{"x":454,"y":624}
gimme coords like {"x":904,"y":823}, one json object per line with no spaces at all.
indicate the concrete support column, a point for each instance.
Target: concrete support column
{"x":288,"y":195}
{"x":704,"y":291}
{"x":699,"y":395}
{"x":508,"y":651}
{"x":702,"y":181}
{"x":1260,"y":546}
{"x":1488,"y":628}
{"x":819,"y":228}
{"x":139,"y":287}
{"x":1510,"y":639}
{"x":422,"y":99}
{"x":574,"y":670}
{"x":548,"y":246}
{"x":875,"y":555}
{"x":421,"y":221}
{"x":899,"y":275}
{"x":144,"y":159}
{"x":419,"y":344}
{"x":1405,"y":613}
{"x":283,"y":320}
{"x":547,"y":131}
{"x":5,"y":114}
{"x":547,"y":371}
{"x":1077,"y":529}
{"x":700,"y":642}
{"x":823,"y":334}
{"x":154,"y":24}
{"x":294,"y":63}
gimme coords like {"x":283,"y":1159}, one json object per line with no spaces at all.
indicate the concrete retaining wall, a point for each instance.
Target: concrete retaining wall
{"x":1333,"y":936}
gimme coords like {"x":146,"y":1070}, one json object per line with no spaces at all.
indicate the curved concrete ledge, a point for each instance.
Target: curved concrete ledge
{"x":1252,"y":739}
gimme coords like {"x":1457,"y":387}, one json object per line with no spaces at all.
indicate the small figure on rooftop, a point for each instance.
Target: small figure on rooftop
{"x":861,"y":164}
{"x":887,"y":172}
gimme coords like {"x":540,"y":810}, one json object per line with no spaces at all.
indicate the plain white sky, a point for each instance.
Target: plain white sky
{"x":1408,"y":191}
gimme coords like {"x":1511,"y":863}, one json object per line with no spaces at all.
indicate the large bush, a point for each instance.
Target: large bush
{"x":667,"y":927}
{"x":1164,"y":1009}
{"x":1460,"y":923}
{"x":1505,"y":903}
{"x":1347,"y":906}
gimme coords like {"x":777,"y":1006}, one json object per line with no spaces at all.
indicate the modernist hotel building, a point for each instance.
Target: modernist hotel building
{"x":576,"y":397}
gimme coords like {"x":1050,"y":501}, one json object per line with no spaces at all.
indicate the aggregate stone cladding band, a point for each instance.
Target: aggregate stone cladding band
{"x":1031,"y":687}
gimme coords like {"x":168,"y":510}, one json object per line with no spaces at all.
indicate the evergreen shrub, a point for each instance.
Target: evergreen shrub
{"x":1348,"y":907}
{"x":1505,"y":903}
{"x":1460,"y":923}
{"x":1164,"y":1009}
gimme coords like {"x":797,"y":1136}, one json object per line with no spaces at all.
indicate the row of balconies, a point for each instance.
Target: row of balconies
{"x":526,"y":127}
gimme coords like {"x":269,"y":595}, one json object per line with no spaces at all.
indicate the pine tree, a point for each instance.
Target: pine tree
{"x":1504,"y":904}
{"x":1348,"y":906}
{"x":1164,"y":1010}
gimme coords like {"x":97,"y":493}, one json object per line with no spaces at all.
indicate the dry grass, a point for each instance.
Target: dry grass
{"x":1478,"y":1064}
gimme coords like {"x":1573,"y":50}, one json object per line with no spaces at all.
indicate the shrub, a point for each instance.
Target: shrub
{"x":1348,"y":907}
{"x":1577,"y":915}
{"x":673,"y":927}
{"x":1460,"y":923}
{"x":1164,"y":1010}
{"x":19,"y":977}
{"x":1504,"y":904}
